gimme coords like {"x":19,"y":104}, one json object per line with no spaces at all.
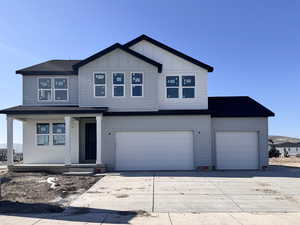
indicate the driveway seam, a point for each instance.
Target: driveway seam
{"x":226,"y":195}
{"x":235,"y":219}
{"x":170,"y":218}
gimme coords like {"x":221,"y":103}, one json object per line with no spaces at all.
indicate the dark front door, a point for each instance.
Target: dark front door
{"x":90,"y":142}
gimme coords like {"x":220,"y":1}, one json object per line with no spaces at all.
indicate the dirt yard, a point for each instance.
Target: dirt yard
{"x":290,"y":161}
{"x":41,"y":192}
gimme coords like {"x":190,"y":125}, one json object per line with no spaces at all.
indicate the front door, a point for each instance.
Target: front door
{"x":90,"y":142}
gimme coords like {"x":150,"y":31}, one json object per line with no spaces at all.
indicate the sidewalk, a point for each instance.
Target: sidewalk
{"x":154,"y":219}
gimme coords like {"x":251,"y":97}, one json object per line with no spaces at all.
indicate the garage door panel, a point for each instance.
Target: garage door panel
{"x":237,"y":150}
{"x":154,"y":150}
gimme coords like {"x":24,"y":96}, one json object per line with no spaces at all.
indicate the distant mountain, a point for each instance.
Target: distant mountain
{"x":17,"y":146}
{"x":279,"y":139}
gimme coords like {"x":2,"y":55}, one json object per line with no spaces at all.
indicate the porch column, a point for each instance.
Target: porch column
{"x":10,"y":140}
{"x":99,"y":141}
{"x":68,"y":140}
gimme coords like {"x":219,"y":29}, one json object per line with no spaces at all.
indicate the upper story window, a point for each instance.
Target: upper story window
{"x":100,"y":84}
{"x":137,"y":85}
{"x":45,"y":89}
{"x":118,"y":84}
{"x":52,"y":86}
{"x":182,"y":86}
{"x":60,"y":89}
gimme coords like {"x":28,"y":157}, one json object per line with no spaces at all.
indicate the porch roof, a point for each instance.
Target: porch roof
{"x":17,"y":110}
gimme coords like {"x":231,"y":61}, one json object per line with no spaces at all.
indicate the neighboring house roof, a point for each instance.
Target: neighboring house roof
{"x":237,"y":106}
{"x":51,"y":67}
{"x":52,"y":110}
{"x":217,"y":107}
{"x":118,"y":46}
{"x":169,"y":49}
{"x":288,"y":145}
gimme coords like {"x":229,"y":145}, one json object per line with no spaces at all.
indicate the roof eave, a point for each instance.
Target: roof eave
{"x":46,"y":72}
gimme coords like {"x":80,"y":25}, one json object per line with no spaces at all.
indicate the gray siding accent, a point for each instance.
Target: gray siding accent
{"x":258,"y":124}
{"x":30,"y":91}
{"x":119,"y":61}
{"x":200,"y":125}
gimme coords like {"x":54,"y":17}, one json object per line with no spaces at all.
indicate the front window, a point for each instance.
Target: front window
{"x":60,"y":89}
{"x":58,"y":133}
{"x":136,"y":84}
{"x":118,"y":84}
{"x":45,"y":89}
{"x":99,"y":85}
{"x":180,"y":86}
{"x":43,"y":131}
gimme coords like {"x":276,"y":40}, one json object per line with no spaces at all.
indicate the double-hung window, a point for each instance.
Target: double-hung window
{"x":44,"y":89}
{"x":43,"y":133}
{"x":137,"y":85}
{"x":60,"y":89}
{"x":58,"y":130}
{"x":118,"y":83}
{"x":100,"y":84}
{"x":182,"y":86}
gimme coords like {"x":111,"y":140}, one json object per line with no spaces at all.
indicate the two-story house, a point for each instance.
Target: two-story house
{"x":138,"y":106}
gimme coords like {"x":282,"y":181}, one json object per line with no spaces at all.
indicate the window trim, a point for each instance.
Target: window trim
{"x":38,"y":89}
{"x":54,"y":89}
{"x":105,"y":85}
{"x":50,"y":134}
{"x":58,"y":134}
{"x":131,"y":85}
{"x":113,"y":85}
{"x":180,"y":87}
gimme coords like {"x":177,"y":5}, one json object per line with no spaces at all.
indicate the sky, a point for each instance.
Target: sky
{"x":254,"y":46}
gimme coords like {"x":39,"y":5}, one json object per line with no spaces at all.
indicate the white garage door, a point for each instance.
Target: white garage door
{"x":237,"y":150}
{"x":154,"y":150}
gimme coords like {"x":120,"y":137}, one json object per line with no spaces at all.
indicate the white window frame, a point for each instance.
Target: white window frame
{"x":180,"y":87}
{"x":58,"y":134}
{"x":47,"y":89}
{"x":95,"y":85}
{"x":54,"y":89}
{"x":36,"y":134}
{"x":133,"y":85}
{"x":117,"y":85}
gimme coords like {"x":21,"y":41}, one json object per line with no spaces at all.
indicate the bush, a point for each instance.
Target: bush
{"x":274,"y":153}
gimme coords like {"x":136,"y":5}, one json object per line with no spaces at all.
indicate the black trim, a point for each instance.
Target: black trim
{"x":172,"y":50}
{"x":113,"y":47}
{"x":159,"y":113}
{"x":46,"y":72}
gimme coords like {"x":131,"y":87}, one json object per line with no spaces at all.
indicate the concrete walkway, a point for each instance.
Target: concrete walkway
{"x":155,"y":219}
{"x":194,"y":192}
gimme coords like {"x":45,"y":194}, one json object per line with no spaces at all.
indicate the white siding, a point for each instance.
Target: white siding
{"x":47,"y":154}
{"x":174,"y":65}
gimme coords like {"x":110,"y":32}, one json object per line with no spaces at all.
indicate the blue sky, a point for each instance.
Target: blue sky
{"x":253,"y":45}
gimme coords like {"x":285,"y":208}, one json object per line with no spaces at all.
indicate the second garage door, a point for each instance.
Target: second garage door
{"x":237,"y":150}
{"x":167,"y":150}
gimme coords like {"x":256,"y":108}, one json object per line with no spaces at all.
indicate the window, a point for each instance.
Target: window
{"x":172,"y":83}
{"x":42,"y":131}
{"x":180,"y":86}
{"x":60,"y":89}
{"x":99,"y":84}
{"x":118,"y":84}
{"x":58,"y":133}
{"x":136,"y":84}
{"x":44,"y":89}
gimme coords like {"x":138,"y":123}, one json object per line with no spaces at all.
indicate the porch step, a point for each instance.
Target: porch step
{"x":81,"y":169}
{"x":78,"y":173}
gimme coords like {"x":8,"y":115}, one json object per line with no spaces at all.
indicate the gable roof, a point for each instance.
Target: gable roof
{"x":113,"y":47}
{"x":51,"y":67}
{"x":169,"y":49}
{"x":237,"y":106}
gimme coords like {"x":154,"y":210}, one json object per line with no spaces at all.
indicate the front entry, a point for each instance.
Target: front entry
{"x":90,"y":142}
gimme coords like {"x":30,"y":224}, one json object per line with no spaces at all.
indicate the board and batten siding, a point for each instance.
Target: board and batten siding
{"x":30,"y":90}
{"x":119,"y":61}
{"x":174,"y":65}
{"x":199,"y":125}
{"x":257,"y":124}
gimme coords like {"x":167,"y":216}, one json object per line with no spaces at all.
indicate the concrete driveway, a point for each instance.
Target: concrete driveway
{"x":276,"y":190}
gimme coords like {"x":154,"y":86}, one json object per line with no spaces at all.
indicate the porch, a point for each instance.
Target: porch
{"x":58,"y":142}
